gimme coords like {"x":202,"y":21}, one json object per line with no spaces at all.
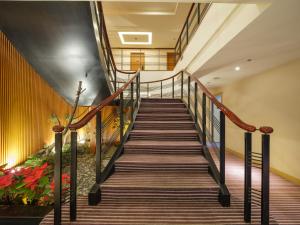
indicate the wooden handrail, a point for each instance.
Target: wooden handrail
{"x":107,"y":42}
{"x":87,"y":118}
{"x":230,"y":115}
{"x":168,"y":78}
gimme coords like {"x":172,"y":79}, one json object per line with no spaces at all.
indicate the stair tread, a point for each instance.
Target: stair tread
{"x":161,"y":180}
{"x":173,"y":159}
{"x":165,"y":114}
{"x":162,"y":143}
{"x":164,"y":131}
{"x":164,"y":122}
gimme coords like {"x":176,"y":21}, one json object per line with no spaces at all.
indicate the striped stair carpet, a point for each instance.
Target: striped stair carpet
{"x":162,"y":177}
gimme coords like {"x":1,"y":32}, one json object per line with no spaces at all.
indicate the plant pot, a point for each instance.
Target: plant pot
{"x":23,"y":215}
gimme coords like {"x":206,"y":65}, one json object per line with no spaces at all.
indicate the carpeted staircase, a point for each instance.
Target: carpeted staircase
{"x":162,"y":159}
{"x":161,"y":179}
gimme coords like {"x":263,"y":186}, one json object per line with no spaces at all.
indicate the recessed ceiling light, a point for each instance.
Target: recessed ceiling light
{"x":149,"y":34}
{"x":237,"y":68}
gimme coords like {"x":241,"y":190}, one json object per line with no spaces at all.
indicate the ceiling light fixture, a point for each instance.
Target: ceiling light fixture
{"x":149,"y":34}
{"x":237,"y":68}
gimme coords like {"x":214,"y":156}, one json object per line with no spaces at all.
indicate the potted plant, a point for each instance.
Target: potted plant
{"x":26,"y":193}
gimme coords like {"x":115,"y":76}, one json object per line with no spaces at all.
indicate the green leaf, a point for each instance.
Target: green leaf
{"x":44,"y":181}
{"x":19,"y":185}
{"x":1,"y":193}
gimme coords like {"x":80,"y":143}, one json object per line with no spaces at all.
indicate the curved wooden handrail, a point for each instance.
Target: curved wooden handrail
{"x":155,"y":81}
{"x":87,"y":118}
{"x":107,"y":42}
{"x":230,"y":115}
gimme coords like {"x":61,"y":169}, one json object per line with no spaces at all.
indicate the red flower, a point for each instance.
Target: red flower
{"x":65,"y":178}
{"x":32,"y":177}
{"x":6,"y":180}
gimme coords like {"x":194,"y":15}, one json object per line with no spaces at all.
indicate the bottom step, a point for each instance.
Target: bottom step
{"x":159,"y":186}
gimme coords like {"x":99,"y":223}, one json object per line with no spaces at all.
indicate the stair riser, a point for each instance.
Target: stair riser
{"x":157,"y":100}
{"x":162,"y":118}
{"x":125,"y":169}
{"x":164,"y":138}
{"x":161,"y":151}
{"x":164,"y":126}
{"x":166,"y":110}
{"x":155,"y":105}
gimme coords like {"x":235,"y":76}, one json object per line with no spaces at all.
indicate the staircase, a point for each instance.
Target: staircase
{"x":162,"y":159}
{"x":162,"y":178}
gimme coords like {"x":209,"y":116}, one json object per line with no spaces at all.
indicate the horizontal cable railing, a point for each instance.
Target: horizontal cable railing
{"x":161,"y":59}
{"x":148,"y":59}
{"x":200,"y":101}
{"x":112,"y":129}
{"x":109,"y":61}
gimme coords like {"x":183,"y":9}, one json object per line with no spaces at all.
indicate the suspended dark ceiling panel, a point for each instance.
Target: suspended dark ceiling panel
{"x":57,"y":39}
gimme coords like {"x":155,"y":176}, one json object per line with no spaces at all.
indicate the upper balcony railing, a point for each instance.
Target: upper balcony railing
{"x":161,"y":59}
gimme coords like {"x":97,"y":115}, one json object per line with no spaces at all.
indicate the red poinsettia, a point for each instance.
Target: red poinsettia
{"x":65,"y":178}
{"x":6,"y":180}
{"x":33,"y":176}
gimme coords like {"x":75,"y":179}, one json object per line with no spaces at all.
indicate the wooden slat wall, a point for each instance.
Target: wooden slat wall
{"x":26,"y":105}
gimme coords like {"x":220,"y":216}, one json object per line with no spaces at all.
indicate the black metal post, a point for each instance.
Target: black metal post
{"x":147,"y":90}
{"x":98,"y":147}
{"x":115,"y":81}
{"x":181,"y":85}
{"x":265,"y":183}
{"x":248,"y":177}
{"x":180,"y":50}
{"x":173,"y":87}
{"x":189,"y":91}
{"x":132,"y":101}
{"x":198,"y":13}
{"x":204,"y":119}
{"x":187,"y":32}
{"x":121,"y":117}
{"x":73,"y":181}
{"x":222,"y":148}
{"x":139,"y":85}
{"x":161,"y":89}
{"x":57,"y":178}
{"x":196,"y":103}
{"x":137,"y":89}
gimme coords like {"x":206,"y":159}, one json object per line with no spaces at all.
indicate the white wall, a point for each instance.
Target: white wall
{"x":220,"y":25}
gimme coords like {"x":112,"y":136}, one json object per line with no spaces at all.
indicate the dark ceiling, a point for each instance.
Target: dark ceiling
{"x":57,"y":39}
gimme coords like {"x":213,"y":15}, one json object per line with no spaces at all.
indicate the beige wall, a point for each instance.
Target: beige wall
{"x":271,"y":98}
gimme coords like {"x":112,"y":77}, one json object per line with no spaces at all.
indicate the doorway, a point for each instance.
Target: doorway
{"x":137,"y":61}
{"x":171,"y":60}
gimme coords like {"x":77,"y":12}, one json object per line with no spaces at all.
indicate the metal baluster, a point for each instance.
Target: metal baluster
{"x":198,"y":13}
{"x":181,"y":85}
{"x":161,"y":89}
{"x":57,"y":175}
{"x":196,"y":103}
{"x":115,"y":82}
{"x":222,"y":148}
{"x":121,"y":117}
{"x":189,"y":91}
{"x":248,"y":177}
{"x":137,"y":90}
{"x":98,"y":147}
{"x":204,"y":119}
{"x":147,"y":90}
{"x":187,"y":32}
{"x":173,"y":87}
{"x":132,"y":101}
{"x":265,"y":183}
{"x":73,"y":183}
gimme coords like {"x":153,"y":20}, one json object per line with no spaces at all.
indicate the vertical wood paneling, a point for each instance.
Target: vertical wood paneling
{"x":26,"y":105}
